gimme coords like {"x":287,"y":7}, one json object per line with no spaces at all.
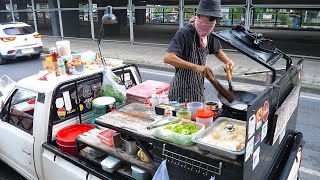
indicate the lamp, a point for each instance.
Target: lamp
{"x":108,"y":18}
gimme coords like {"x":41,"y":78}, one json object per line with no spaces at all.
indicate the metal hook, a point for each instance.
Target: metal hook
{"x":207,"y":170}
{"x":199,"y":168}
{"x":192,"y":166}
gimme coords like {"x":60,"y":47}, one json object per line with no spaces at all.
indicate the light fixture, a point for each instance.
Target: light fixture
{"x":108,"y":18}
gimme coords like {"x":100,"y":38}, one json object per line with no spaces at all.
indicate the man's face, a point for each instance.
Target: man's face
{"x":208,"y":18}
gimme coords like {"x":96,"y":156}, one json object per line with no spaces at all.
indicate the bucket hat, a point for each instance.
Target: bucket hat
{"x":210,"y":8}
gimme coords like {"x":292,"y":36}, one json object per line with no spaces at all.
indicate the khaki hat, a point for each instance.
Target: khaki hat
{"x":209,"y":8}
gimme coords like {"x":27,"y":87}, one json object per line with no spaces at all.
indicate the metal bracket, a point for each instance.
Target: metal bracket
{"x":191,"y":162}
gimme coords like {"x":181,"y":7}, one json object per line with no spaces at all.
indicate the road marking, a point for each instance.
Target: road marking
{"x":310,"y":171}
{"x":310,"y":97}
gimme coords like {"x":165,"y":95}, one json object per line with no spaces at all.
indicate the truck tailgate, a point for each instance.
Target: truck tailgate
{"x":288,"y":162}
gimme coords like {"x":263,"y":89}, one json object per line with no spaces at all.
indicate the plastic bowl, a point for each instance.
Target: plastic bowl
{"x":66,"y":137}
{"x":193,"y":107}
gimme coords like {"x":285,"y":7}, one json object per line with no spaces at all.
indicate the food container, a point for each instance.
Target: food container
{"x":66,"y":137}
{"x":204,"y":117}
{"x":63,"y":48}
{"x":139,"y":174}
{"x":101,"y":106}
{"x":218,"y":139}
{"x":110,"y":164}
{"x":181,"y":139}
{"x":184,"y":113}
{"x":107,"y":137}
{"x":76,"y":69}
{"x":193,"y":107}
{"x":160,"y":108}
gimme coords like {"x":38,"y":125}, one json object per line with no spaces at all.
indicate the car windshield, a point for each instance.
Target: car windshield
{"x":21,"y":30}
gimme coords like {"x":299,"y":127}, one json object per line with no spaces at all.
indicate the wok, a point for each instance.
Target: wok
{"x":242,"y":97}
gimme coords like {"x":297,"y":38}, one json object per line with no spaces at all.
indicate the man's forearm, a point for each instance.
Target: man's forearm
{"x":177,"y":62}
{"x":222,"y":57}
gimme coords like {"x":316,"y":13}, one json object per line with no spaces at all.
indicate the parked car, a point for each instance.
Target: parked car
{"x":19,"y":39}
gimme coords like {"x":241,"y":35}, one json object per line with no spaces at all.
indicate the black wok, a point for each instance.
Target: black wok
{"x":242,"y":97}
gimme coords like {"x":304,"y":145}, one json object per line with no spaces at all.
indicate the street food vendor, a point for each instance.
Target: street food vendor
{"x":188,"y":50}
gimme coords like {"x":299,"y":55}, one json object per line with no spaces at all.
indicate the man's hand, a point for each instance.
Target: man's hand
{"x":231,"y":66}
{"x":202,"y":70}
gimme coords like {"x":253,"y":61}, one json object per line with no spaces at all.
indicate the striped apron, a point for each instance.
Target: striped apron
{"x":188,"y":84}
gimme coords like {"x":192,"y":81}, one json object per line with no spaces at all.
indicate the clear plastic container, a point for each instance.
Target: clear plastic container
{"x":110,"y":164}
{"x":204,"y":117}
{"x":181,"y":139}
{"x":139,"y":174}
{"x":106,"y":137}
{"x":63,"y":48}
{"x":184,"y":113}
{"x":193,"y":107}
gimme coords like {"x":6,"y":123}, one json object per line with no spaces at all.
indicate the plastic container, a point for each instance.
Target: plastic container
{"x":63,"y":48}
{"x":101,"y":106}
{"x":106,"y":137}
{"x":193,"y":107}
{"x":180,"y":139}
{"x":62,"y":67}
{"x":184,"y":113}
{"x":110,"y":164}
{"x":139,"y":174}
{"x":163,"y":99}
{"x":66,"y":137}
{"x":204,"y":117}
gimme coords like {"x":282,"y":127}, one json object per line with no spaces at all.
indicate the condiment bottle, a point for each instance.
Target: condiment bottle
{"x":154,"y":100}
{"x":54,"y":53}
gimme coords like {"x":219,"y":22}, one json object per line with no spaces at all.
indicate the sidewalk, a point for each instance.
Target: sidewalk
{"x":152,"y":56}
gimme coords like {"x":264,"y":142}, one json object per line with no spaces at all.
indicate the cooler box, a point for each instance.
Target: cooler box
{"x":142,"y":92}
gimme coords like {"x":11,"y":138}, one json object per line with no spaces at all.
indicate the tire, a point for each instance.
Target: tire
{"x":2,"y":61}
{"x":36,"y":56}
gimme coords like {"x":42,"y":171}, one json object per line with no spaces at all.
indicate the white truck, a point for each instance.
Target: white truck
{"x":31,"y":116}
{"x":29,"y":122}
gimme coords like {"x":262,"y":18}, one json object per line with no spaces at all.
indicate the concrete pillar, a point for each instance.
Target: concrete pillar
{"x":70,"y":19}
{"x":23,"y":16}
{"x":140,"y":14}
{"x":54,"y":18}
{"x":3,"y":15}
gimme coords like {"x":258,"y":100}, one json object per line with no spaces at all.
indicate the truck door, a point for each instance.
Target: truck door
{"x":16,"y":132}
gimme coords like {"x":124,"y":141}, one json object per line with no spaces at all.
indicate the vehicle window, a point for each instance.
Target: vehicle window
{"x":20,"y":109}
{"x":66,"y":101}
{"x":22,"y":30}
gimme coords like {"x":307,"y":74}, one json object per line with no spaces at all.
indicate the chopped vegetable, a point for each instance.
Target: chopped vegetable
{"x":186,"y":129}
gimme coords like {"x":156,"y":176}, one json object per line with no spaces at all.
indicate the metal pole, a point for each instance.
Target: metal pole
{"x":248,"y":14}
{"x":231,"y":16}
{"x":130,"y":6}
{"x":181,"y":13}
{"x":91,"y":20}
{"x":276,"y":19}
{"x":34,"y":16}
{"x":60,"y":19}
{"x":12,"y":13}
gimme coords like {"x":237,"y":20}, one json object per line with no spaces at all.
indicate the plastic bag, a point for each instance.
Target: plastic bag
{"x":162,"y":172}
{"x":110,"y":86}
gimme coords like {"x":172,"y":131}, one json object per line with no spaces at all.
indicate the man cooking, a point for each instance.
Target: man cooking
{"x":188,"y":50}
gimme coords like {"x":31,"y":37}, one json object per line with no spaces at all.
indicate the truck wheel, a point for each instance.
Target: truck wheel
{"x":2,"y":61}
{"x":36,"y":56}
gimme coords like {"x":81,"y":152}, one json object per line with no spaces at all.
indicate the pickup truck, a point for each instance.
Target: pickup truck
{"x":30,"y":120}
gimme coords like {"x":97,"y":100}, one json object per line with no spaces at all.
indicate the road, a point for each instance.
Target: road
{"x":307,"y":116}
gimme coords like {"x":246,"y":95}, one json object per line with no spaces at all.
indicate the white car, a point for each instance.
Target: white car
{"x":19,"y":39}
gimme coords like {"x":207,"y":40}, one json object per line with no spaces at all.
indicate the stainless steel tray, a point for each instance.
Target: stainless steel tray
{"x":216,"y":150}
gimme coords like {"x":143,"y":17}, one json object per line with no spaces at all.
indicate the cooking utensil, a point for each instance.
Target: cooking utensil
{"x":229,"y":77}
{"x":163,"y":124}
{"x":229,"y":96}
